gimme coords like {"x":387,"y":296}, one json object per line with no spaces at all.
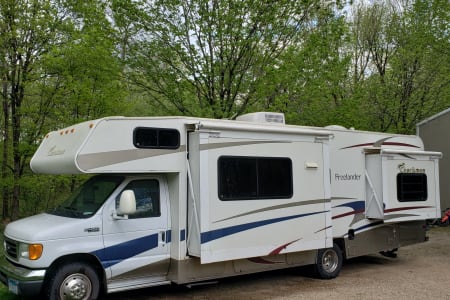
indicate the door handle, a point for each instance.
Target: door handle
{"x":163,"y":237}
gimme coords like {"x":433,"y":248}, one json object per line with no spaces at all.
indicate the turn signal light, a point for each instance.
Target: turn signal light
{"x":35,"y":251}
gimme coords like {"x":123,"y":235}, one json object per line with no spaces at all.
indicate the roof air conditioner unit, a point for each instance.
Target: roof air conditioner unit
{"x":263,"y":117}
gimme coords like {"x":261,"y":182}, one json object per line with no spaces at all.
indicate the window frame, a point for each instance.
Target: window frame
{"x":258,"y":195}
{"x":158,"y":134}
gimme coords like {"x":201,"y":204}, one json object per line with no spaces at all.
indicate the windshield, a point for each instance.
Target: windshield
{"x":89,"y":197}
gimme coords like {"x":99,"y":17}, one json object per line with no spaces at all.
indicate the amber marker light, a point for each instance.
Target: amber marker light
{"x":35,"y":251}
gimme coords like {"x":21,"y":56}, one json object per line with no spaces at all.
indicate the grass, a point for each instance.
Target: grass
{"x":6,"y":295}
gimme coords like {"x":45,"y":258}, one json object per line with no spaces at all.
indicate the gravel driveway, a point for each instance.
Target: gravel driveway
{"x":419,"y":272}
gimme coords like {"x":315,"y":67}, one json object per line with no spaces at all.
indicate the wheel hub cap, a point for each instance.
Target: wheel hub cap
{"x":76,"y":287}
{"x":330,"y":261}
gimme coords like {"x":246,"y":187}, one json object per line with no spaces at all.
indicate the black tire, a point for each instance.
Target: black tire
{"x":328,"y":262}
{"x":73,"y":281}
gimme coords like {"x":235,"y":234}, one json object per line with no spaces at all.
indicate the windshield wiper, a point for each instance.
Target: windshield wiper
{"x":67,"y":211}
{"x":69,"y":208}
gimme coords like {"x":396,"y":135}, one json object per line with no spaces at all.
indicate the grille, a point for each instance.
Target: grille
{"x":11,"y":248}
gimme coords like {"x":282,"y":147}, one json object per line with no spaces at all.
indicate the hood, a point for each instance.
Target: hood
{"x":45,"y":227}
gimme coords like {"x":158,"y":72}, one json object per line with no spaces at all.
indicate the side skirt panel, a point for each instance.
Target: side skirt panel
{"x":386,"y":237}
{"x":191,"y":270}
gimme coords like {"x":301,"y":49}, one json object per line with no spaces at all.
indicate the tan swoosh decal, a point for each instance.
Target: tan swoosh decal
{"x":102,"y":159}
{"x":275,"y":207}
{"x":390,"y":217}
{"x":236,"y":144}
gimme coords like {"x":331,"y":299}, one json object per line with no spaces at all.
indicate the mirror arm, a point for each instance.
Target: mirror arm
{"x":115,"y":216}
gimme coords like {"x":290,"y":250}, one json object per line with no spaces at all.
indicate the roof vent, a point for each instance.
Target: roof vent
{"x":263,"y":117}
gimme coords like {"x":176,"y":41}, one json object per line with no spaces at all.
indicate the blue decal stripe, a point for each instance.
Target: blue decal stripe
{"x":369,"y":225}
{"x":182,"y":235}
{"x":114,"y":254}
{"x":219,"y":233}
{"x":168,"y":236}
{"x":355,"y":205}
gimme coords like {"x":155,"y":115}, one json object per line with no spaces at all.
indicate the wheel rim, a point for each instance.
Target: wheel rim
{"x":330,"y":261}
{"x":76,"y":286}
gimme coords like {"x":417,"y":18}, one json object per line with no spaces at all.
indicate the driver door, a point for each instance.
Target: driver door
{"x":137,"y":247}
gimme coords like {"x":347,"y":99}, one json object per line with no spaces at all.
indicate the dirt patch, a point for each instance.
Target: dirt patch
{"x":419,"y":272}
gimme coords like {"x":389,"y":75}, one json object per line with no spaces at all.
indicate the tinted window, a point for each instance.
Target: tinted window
{"x":254,"y":178}
{"x":169,"y":138}
{"x":275,"y":177}
{"x":237,"y":178}
{"x":146,"y":193}
{"x":161,"y":138}
{"x":89,"y":197}
{"x":412,"y":187}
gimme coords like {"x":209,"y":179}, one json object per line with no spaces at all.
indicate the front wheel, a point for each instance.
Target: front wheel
{"x":328,"y":262}
{"x":77,"y":281}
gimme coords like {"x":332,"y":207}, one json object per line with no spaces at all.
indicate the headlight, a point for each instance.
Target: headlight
{"x":30,"y":251}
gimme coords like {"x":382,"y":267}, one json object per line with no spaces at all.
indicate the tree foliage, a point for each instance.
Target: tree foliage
{"x":212,"y":58}
{"x":56,"y":69}
{"x":400,"y":71}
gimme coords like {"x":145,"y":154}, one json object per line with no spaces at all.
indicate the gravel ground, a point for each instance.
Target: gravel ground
{"x":419,"y":272}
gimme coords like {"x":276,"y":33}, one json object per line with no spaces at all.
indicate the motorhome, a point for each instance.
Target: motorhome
{"x":187,"y":200}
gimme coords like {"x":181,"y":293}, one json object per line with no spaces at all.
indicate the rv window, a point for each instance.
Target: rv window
{"x":412,"y":187}
{"x":159,"y":138}
{"x":247,"y":178}
{"x":147,"y":198}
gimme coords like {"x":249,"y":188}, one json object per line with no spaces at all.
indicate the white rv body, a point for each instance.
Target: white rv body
{"x":365,"y":167}
{"x":305,"y":190}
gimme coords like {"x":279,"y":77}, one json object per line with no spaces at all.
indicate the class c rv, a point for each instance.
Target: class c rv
{"x":189,"y":200}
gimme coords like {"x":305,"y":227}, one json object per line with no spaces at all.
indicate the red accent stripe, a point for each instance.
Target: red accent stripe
{"x":405,"y":208}
{"x":278,"y":250}
{"x":386,"y":211}
{"x":400,"y":144}
{"x":323,"y":229}
{"x":260,"y":260}
{"x":359,"y":145}
{"x":348,"y":214}
{"x":385,"y":143}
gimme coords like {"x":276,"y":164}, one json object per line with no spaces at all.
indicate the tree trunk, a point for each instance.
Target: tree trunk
{"x":4,"y":168}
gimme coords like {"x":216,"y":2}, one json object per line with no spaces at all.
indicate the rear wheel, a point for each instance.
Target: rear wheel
{"x":328,"y":262}
{"x":74,"y":281}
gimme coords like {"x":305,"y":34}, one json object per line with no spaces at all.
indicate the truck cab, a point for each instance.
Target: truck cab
{"x":108,"y":227}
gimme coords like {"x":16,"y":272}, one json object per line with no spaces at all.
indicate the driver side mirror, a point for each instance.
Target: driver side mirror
{"x":127,"y":205}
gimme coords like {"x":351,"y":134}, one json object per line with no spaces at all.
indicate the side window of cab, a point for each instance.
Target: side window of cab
{"x":146,"y":192}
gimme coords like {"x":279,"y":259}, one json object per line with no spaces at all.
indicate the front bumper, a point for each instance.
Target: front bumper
{"x":20,"y":280}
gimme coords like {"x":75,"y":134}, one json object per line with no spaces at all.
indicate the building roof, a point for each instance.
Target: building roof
{"x":438,"y":115}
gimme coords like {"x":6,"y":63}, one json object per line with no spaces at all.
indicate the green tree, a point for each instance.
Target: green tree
{"x":308,"y":84}
{"x":59,"y":65}
{"x":213,"y":58}
{"x":400,"y":62}
{"x":27,"y":28}
{"x":83,"y":70}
